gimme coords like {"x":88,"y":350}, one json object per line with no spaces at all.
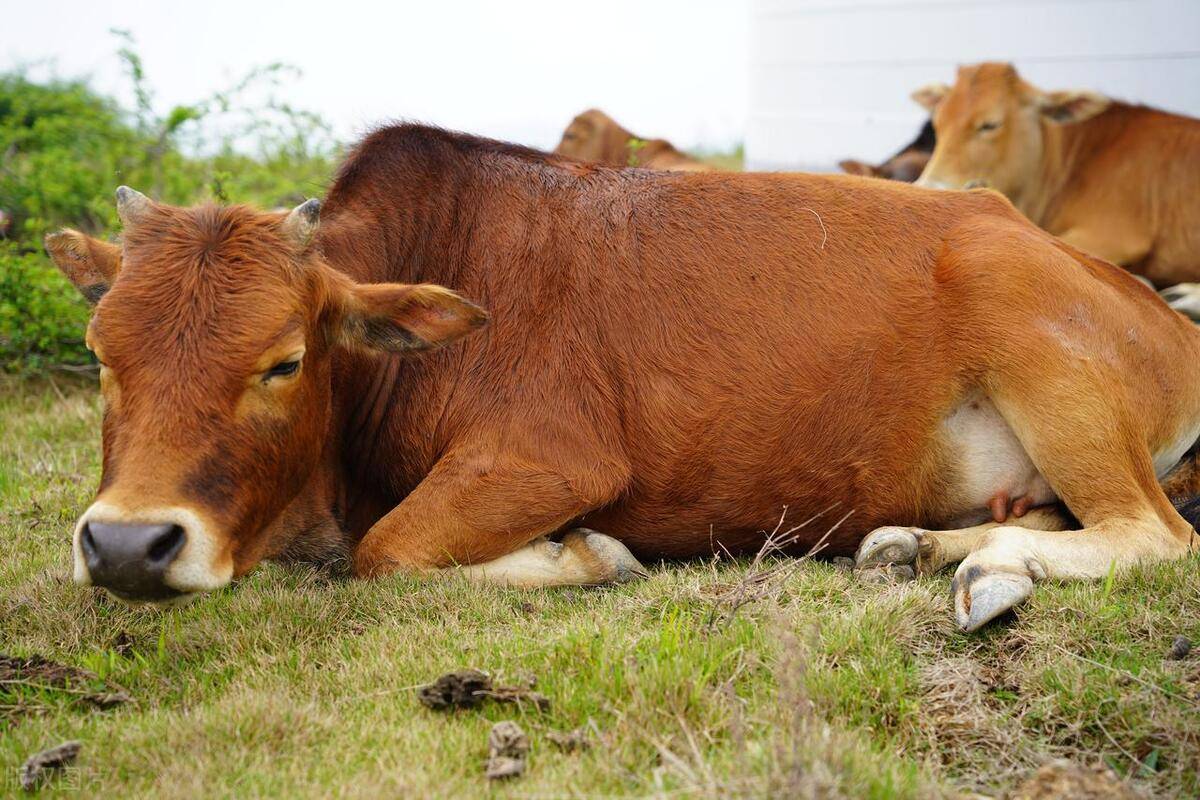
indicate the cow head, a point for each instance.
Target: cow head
{"x":991,"y":128}
{"x":214,"y":327}
{"x":595,"y":136}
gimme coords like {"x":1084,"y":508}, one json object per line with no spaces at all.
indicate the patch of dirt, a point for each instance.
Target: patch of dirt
{"x":958,"y":720}
{"x":570,"y":741}
{"x":508,"y":747}
{"x":38,"y":673}
{"x":468,"y":688}
{"x":1065,"y":780}
{"x":39,"y":767}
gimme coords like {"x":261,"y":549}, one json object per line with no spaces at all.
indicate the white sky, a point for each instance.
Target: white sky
{"x":516,"y":70}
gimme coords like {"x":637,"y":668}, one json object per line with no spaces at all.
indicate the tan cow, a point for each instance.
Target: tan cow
{"x":671,"y":359}
{"x":1115,"y":180}
{"x":595,"y":136}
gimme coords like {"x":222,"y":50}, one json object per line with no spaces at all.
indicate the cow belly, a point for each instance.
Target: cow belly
{"x":989,"y":462}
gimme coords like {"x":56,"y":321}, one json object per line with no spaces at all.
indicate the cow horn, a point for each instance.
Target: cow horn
{"x":131,"y":205}
{"x":301,"y":223}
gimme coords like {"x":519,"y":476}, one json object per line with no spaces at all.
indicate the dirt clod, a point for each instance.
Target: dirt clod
{"x":39,"y":767}
{"x":843,"y":563}
{"x":465,"y":688}
{"x":1066,"y":780}
{"x":468,"y":688}
{"x":38,"y":672}
{"x":1180,"y":648}
{"x":570,"y":741}
{"x":507,"y":748}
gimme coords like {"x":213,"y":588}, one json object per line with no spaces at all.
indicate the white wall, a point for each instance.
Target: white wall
{"x":831,"y":79}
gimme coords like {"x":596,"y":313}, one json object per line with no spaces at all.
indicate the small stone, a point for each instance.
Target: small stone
{"x":1180,"y":648}
{"x":39,"y":767}
{"x":843,"y":563}
{"x":507,"y":739}
{"x":507,"y":748}
{"x":501,"y":767}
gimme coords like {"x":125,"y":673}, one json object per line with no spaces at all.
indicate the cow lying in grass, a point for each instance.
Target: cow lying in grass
{"x":671,"y":359}
{"x":595,"y":136}
{"x":1117,"y":181}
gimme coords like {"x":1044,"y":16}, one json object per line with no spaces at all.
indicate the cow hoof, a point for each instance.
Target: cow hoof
{"x":980,"y":596}
{"x":888,"y":545}
{"x":608,"y":560}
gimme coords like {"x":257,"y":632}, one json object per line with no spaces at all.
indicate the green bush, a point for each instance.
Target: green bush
{"x":64,"y":149}
{"x":42,"y":316}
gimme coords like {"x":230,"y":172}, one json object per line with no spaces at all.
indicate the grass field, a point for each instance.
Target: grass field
{"x":295,"y":683}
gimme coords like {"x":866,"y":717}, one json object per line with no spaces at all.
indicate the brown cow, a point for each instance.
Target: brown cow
{"x":595,"y":136}
{"x":673,"y":359}
{"x":1115,"y":180}
{"x":906,"y":165}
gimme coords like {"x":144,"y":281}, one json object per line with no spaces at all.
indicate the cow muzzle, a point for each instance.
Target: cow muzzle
{"x":131,"y":561}
{"x":147,"y":557}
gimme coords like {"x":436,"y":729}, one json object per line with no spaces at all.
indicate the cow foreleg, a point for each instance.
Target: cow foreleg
{"x":583,"y":558}
{"x":489,"y":524}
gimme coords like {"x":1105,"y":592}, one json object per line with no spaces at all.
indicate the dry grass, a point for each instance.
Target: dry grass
{"x":719,"y":679}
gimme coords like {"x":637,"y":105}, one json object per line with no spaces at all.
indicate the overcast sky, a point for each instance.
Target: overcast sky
{"x":516,"y":70}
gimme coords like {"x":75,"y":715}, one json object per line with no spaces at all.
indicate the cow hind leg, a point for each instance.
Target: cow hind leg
{"x":929,"y":551}
{"x":1094,"y":455}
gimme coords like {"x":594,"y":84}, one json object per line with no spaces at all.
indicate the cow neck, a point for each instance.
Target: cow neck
{"x":1056,"y":164}
{"x":381,"y":399}
{"x":1067,"y":153}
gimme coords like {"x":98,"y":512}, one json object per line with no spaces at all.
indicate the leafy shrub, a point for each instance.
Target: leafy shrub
{"x":42,"y":316}
{"x":64,"y":149}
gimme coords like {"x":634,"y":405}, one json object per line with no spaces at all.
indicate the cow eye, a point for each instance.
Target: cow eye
{"x":284,"y":369}
{"x":990,"y":125}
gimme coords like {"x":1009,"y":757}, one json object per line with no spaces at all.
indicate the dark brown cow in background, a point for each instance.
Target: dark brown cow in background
{"x":1115,"y":180}
{"x":672,"y":359}
{"x":906,"y":165}
{"x":595,"y":136}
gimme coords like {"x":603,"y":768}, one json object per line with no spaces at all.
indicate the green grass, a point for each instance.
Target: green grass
{"x":293,"y":683}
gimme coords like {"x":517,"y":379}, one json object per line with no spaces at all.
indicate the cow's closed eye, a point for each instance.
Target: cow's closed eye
{"x":988,"y":125}
{"x":284,"y":369}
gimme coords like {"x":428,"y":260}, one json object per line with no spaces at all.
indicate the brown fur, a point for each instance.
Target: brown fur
{"x":595,"y":136}
{"x":1115,"y":180}
{"x":672,"y":359}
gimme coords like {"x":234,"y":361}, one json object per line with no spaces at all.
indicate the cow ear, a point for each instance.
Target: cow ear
{"x":1071,"y":105}
{"x":90,"y":264}
{"x":852,"y":167}
{"x":403,"y":318}
{"x":929,"y":96}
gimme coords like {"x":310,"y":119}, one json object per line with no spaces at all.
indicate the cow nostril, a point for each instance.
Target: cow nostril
{"x":164,"y":549}
{"x":87,"y":543}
